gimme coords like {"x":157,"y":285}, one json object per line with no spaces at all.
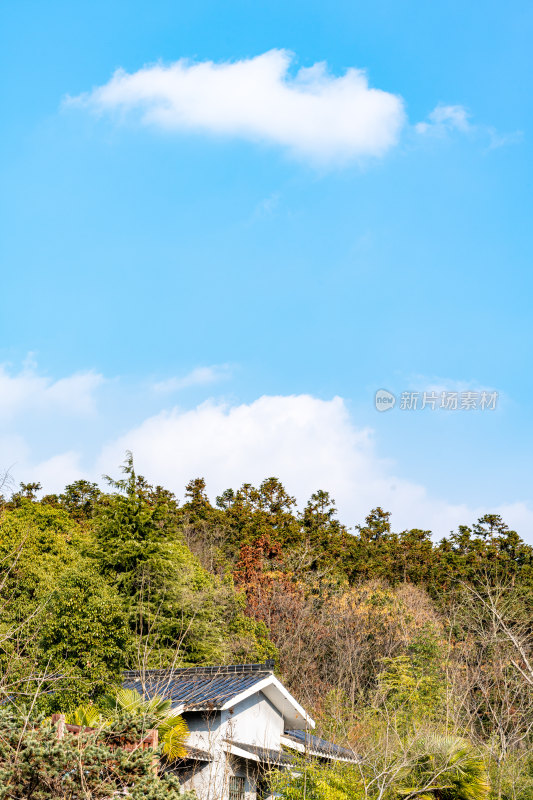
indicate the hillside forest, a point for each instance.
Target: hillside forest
{"x":390,"y":639}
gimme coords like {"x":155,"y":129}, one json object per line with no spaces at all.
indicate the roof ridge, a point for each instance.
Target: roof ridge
{"x":222,"y":669}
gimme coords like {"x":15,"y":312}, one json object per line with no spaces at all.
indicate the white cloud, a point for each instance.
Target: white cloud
{"x":56,"y":472}
{"x":306,"y":442}
{"x":35,"y":412}
{"x":497,"y":140}
{"x":313,"y":114}
{"x":446,"y":118}
{"x":199,"y":376}
{"x":267,"y":206}
{"x":28,"y":391}
{"x":297,"y":437}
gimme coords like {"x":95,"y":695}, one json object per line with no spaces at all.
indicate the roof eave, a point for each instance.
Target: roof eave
{"x":299,"y":747}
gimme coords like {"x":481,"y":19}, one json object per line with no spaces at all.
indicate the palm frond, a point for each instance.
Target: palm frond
{"x":173,"y":732}
{"x":124,"y":700}
{"x":445,"y":768}
{"x":86,"y":716}
{"x":172,"y":728}
{"x":157,"y":706}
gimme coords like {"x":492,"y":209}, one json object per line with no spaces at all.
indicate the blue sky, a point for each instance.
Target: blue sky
{"x":198,"y":278}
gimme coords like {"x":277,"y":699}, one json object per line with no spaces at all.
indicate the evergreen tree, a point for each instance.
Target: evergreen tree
{"x":85,"y":640}
{"x":35,"y":765}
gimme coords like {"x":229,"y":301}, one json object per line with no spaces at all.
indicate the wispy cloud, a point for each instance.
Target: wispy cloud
{"x":27,"y":390}
{"x":312,"y":113}
{"x":446,"y":118}
{"x":268,"y":205}
{"x":497,"y":140}
{"x":438,"y":383}
{"x":200,"y":376}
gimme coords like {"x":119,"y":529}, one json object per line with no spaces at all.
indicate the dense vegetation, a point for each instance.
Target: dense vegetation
{"x":392,"y":640}
{"x":34,"y":765}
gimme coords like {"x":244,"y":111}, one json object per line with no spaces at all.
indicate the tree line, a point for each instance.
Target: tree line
{"x":388,"y":637}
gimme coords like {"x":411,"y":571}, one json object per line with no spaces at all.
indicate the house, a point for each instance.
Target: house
{"x":243,"y":723}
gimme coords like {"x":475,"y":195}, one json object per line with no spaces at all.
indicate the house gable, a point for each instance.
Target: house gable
{"x":220,"y":688}
{"x":292,"y":712}
{"x":242,"y":722}
{"x":254,"y":720}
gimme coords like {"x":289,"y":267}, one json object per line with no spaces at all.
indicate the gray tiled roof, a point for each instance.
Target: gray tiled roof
{"x":316,"y":745}
{"x":198,"y":688}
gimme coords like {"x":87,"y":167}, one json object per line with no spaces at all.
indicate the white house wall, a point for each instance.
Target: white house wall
{"x":254,"y":721}
{"x":212,"y":782}
{"x":247,"y":770}
{"x":206,"y":732}
{"x":204,"y":729}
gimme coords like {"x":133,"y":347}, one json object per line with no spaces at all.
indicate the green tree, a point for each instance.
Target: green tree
{"x":85,"y":638}
{"x":410,"y":693}
{"x":38,"y":543}
{"x":488,"y":551}
{"x":197,"y":505}
{"x":80,"y":499}
{"x":328,"y":539}
{"x":251,"y":513}
{"x":27,"y":491}
{"x":172,"y":603}
{"x":315,"y":781}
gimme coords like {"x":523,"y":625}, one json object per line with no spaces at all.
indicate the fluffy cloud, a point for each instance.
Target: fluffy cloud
{"x":312,"y":113}
{"x":36,"y":411}
{"x":300,"y":439}
{"x":306,"y":442}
